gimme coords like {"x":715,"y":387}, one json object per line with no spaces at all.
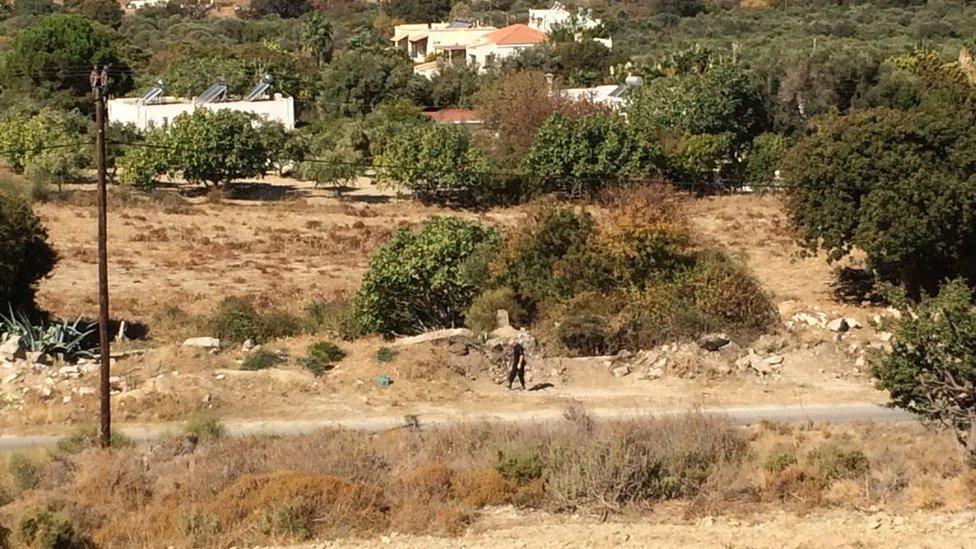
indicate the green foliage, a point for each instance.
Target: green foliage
{"x":418,"y":11}
{"x":933,"y":361}
{"x":579,"y":156}
{"x":236,"y":320}
{"x":291,"y":522}
{"x":779,"y":460}
{"x":836,"y":462}
{"x":317,"y":36}
{"x":520,"y":465}
{"x":322,"y":356}
{"x":335,"y":158}
{"x":286,"y":9}
{"x":47,"y":529}
{"x":693,"y":159}
{"x":337,"y":317}
{"x":358,"y":80}
{"x":262,"y":359}
{"x":481,"y":315}
{"x":23,"y":471}
{"x":47,"y":56}
{"x":140,"y":166}
{"x":86,"y":437}
{"x":586,"y":334}
{"x":897,"y":185}
{"x":106,"y":12}
{"x":438,"y":163}
{"x":23,"y":141}
{"x":216,"y":146}
{"x":721,"y":100}
{"x":198,"y":525}
{"x":205,"y":426}
{"x":763,"y":158}
{"x":385,"y":355}
{"x":455,"y":85}
{"x":27,"y":257}
{"x":425,"y":279}
{"x":389,"y":120}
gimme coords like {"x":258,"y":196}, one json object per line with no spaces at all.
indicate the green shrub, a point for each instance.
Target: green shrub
{"x":23,"y":471}
{"x":779,"y":460}
{"x":26,"y":255}
{"x":285,"y":521}
{"x":425,"y":279}
{"x":322,"y":357}
{"x":338,"y":317}
{"x":237,"y":320}
{"x":88,"y":437}
{"x":262,"y":359}
{"x":482,"y":314}
{"x":763,"y":158}
{"x":385,"y":355}
{"x":929,"y":371}
{"x":723,"y":289}
{"x":205,"y":426}
{"x":584,"y":334}
{"x":836,"y":462}
{"x":520,"y":465}
{"x":198,"y":525}
{"x":46,"y":529}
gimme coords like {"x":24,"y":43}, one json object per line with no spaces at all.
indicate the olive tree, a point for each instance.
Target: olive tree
{"x":931,"y":370}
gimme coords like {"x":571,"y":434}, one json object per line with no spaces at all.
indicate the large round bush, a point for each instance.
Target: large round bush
{"x":425,"y":279}
{"x":25,"y":256}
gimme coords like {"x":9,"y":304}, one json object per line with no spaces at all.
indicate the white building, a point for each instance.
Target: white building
{"x":159,"y":111}
{"x":503,"y":43}
{"x":423,"y":41}
{"x":558,"y":16}
{"x":613,"y":95}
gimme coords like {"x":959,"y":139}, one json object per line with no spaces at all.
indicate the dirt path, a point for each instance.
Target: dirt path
{"x":833,"y":529}
{"x":824,"y":413}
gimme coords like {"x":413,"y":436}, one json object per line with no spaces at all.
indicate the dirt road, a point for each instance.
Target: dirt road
{"x":833,"y":529}
{"x":823,"y":413}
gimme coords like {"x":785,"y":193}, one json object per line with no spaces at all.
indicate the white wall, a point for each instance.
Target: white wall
{"x":133,"y":111}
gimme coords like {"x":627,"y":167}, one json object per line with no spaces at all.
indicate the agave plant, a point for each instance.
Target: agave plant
{"x":68,"y":339}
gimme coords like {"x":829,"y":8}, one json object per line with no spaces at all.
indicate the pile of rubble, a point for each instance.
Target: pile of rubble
{"x":29,"y":373}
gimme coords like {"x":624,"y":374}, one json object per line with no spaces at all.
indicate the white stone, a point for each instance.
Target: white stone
{"x":621,"y":371}
{"x":852,"y":323}
{"x":219,"y":377}
{"x":66,"y":399}
{"x":10,"y":347}
{"x":885,"y":336}
{"x":838,"y":325}
{"x":248,"y":345}
{"x":860,"y":362}
{"x":83,"y":391}
{"x":775,"y":360}
{"x":202,"y":342}
{"x":436,"y":335}
{"x":11,"y":378}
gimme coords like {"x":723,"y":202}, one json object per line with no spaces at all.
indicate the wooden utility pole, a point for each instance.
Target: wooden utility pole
{"x":99,"y":81}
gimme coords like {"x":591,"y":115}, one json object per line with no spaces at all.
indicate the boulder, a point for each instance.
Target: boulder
{"x":10,"y":348}
{"x":714,"y":342}
{"x":501,"y":319}
{"x":202,"y":342}
{"x":621,"y":371}
{"x":852,"y":323}
{"x":434,"y":336}
{"x":808,"y":319}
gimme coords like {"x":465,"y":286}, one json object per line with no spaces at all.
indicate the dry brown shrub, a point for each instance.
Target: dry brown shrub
{"x":425,"y":503}
{"x":797,"y":485}
{"x":925,"y":493}
{"x":334,"y":507}
{"x":482,"y":487}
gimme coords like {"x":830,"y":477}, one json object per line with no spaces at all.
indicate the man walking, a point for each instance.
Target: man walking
{"x":518,"y":363}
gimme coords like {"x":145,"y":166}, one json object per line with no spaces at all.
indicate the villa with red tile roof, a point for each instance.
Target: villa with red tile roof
{"x":503,"y":43}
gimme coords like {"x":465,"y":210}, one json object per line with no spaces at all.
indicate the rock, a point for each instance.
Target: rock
{"x":745,"y":362}
{"x":10,"y":348}
{"x":45,"y":392}
{"x":852,"y":323}
{"x":713,"y":342}
{"x":71,"y":372}
{"x":761,"y":367}
{"x":884,"y":336}
{"x":11,"y":378}
{"x":436,"y":335}
{"x":621,"y":371}
{"x":66,"y":399}
{"x":893,"y":313}
{"x":624,"y":354}
{"x":117,"y":384}
{"x":775,"y":360}
{"x":219,"y":377}
{"x":501,"y":319}
{"x":248,"y":345}
{"x":202,"y":342}
{"x":83,"y":391}
{"x":808,"y":319}
{"x":860,"y":362}
{"x":838,"y":325}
